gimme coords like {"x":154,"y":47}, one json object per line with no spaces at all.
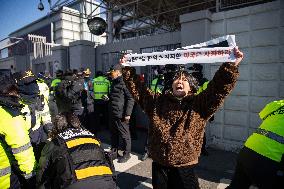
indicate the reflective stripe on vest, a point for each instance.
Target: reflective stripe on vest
{"x":21,"y":148}
{"x":268,"y":139}
{"x":100,"y":92}
{"x":270,"y":135}
{"x":85,"y":155}
{"x":5,"y":171}
{"x":79,"y":141}
{"x":92,"y":171}
{"x":101,"y":82}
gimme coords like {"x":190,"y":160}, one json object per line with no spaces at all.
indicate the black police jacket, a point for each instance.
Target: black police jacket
{"x":121,"y":101}
{"x":74,"y":155}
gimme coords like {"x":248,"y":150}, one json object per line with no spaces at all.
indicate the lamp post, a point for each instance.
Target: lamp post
{"x":41,"y":6}
{"x":97,"y":25}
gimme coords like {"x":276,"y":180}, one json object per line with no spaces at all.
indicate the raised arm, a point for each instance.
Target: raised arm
{"x":218,"y":88}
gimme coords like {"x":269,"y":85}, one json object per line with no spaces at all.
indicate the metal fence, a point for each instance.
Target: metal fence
{"x":232,"y":4}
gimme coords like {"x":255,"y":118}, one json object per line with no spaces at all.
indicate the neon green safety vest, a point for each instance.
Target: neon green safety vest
{"x":15,"y":142}
{"x":54,"y":84}
{"x":202,"y":87}
{"x":153,"y":86}
{"x":101,"y":87}
{"x":268,"y":140}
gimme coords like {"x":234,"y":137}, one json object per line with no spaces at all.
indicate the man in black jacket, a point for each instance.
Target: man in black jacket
{"x":68,"y":94}
{"x":121,"y":105}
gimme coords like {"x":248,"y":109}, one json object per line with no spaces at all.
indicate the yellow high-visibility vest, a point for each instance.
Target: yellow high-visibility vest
{"x":101,"y":87}
{"x":268,"y":140}
{"x":159,"y":88}
{"x":15,"y":142}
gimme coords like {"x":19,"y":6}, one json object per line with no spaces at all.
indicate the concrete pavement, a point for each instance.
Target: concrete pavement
{"x":214,"y":171}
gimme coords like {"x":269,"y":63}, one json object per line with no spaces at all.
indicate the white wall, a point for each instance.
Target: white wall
{"x":259,"y":34}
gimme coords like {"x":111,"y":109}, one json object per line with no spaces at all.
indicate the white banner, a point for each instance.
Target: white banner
{"x":199,"y":53}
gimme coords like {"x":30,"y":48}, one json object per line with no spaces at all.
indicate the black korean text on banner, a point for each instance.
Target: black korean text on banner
{"x":199,"y":53}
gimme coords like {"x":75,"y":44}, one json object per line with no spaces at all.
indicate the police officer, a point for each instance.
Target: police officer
{"x":101,"y":88}
{"x":52,"y":101}
{"x":31,"y":95}
{"x":17,"y":160}
{"x":74,"y":158}
{"x":261,"y":160}
{"x":56,"y":81}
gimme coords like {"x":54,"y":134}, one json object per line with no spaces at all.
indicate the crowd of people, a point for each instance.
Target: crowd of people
{"x":48,"y":127}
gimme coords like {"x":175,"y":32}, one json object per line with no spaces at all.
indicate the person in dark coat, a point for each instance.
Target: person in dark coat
{"x":178,"y":120}
{"x":68,"y":94}
{"x":74,"y":158}
{"x":121,"y":104}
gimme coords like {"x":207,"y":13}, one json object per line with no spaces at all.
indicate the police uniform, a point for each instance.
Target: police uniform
{"x":15,"y":145}
{"x":261,"y":160}
{"x":34,"y":94}
{"x":101,"y":87}
{"x":52,"y":102}
{"x":74,"y":159}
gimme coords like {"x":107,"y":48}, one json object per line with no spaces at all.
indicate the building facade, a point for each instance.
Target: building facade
{"x":30,"y":46}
